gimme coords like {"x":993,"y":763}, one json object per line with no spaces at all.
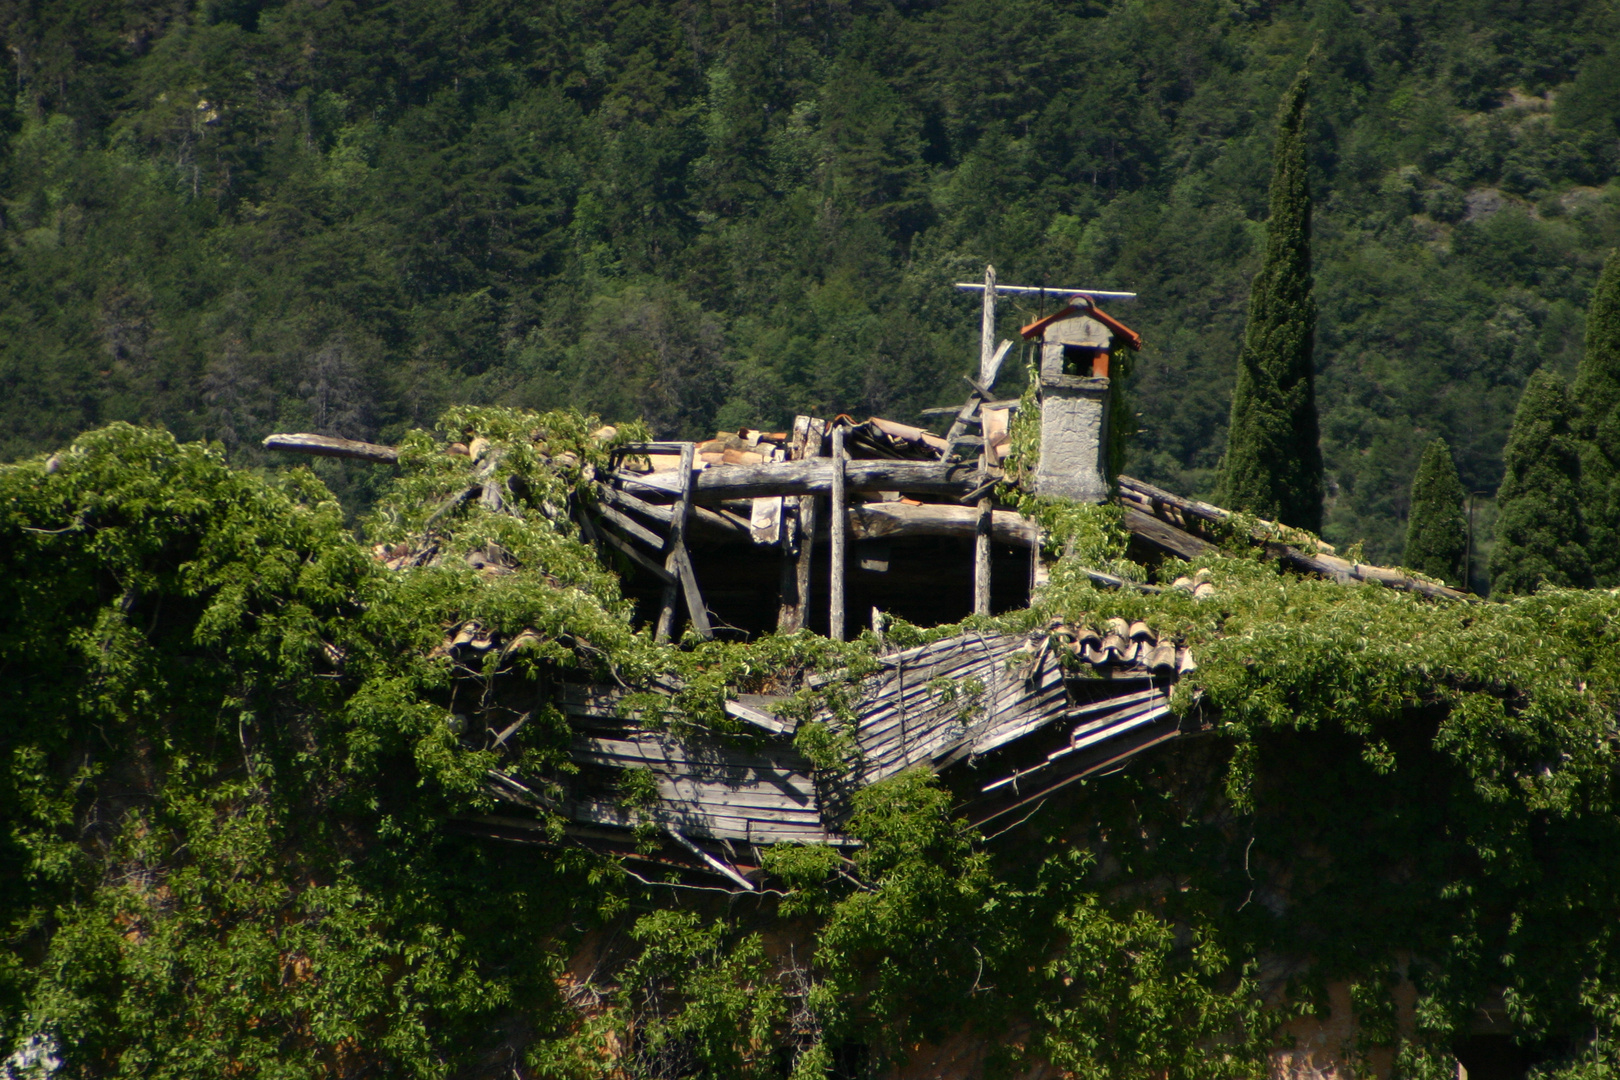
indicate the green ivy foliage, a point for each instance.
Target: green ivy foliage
{"x":232,"y":774}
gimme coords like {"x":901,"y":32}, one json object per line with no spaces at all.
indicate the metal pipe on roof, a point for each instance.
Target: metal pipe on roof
{"x":1008,"y":290}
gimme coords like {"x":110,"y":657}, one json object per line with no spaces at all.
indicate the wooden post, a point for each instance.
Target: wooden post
{"x":794,"y":607}
{"x":981,"y":550}
{"x":987,"y":328}
{"x":839,"y":525}
{"x":678,"y":564}
{"x":989,"y":362}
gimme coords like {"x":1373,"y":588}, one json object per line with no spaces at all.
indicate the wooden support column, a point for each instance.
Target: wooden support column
{"x":981,"y":550}
{"x":987,"y":329}
{"x":989,"y":362}
{"x":838,"y":524}
{"x":794,"y":609}
{"x":679,"y":564}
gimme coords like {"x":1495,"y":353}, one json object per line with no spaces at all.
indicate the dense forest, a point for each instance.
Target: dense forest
{"x":235,"y":216}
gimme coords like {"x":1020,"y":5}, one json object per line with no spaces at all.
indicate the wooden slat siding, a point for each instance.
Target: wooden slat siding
{"x":672,"y":756}
{"x":1094,"y":721}
{"x":623,"y":499}
{"x":1044,"y":705}
{"x":948,"y":663}
{"x":633,"y":552}
{"x":1123,"y":723}
{"x":589,"y":699}
{"x":626,"y":524}
{"x":907,"y":723}
{"x":717,"y":826}
{"x":601,"y":702}
{"x":685,"y":791}
{"x":1107,"y":703}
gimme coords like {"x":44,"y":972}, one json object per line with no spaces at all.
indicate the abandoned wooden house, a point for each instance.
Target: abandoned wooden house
{"x":839,"y":521}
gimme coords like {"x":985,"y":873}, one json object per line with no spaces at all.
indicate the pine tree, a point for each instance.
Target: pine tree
{"x":1540,"y":533}
{"x":1597,"y":392}
{"x":1273,"y":462}
{"x":1436,"y":531}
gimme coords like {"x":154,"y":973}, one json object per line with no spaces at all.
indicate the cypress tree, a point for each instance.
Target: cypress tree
{"x":1436,"y":531}
{"x":1597,"y":392}
{"x":1540,"y":533}
{"x":1273,"y":462}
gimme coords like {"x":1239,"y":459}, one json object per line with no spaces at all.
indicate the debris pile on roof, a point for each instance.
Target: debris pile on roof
{"x":1016,"y":706}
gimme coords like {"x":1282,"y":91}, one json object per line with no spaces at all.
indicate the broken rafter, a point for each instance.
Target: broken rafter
{"x":873,"y":521}
{"x":1154,"y":500}
{"x":811,"y":477}
{"x":1146,"y":508}
{"x":329,"y":446}
{"x":677,"y":530}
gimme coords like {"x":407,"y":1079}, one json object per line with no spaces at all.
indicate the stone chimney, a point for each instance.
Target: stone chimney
{"x":1075,"y":352}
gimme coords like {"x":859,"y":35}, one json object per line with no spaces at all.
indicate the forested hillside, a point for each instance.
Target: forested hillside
{"x":233,"y":216}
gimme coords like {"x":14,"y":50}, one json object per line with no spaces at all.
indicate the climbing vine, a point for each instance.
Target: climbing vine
{"x":236,"y":749}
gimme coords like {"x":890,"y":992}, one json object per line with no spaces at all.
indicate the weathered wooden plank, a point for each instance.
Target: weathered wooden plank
{"x":715,"y":863}
{"x":328,"y":446}
{"x":952,"y":410}
{"x":677,"y":533}
{"x":1120,"y":724}
{"x":1149,"y":497}
{"x":769,"y":802}
{"x":987,"y":330}
{"x":696,"y":610}
{"x":764,"y":720}
{"x":1095,"y":760}
{"x":883,"y":520}
{"x":620,"y":497}
{"x":635,"y":555}
{"x":839,"y":522}
{"x":981,"y":551}
{"x":811,"y":477}
{"x":1108,"y":704}
{"x":784,"y":761}
{"x":625,"y":523}
{"x":719,"y":826}
{"x":1164,"y":536}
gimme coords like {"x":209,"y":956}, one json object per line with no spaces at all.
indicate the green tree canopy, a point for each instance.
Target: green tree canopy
{"x":1541,"y":531}
{"x":1273,"y":463}
{"x":1436,"y":532}
{"x":1597,"y":392}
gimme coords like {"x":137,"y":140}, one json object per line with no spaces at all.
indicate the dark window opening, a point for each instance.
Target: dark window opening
{"x":1079,"y":359}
